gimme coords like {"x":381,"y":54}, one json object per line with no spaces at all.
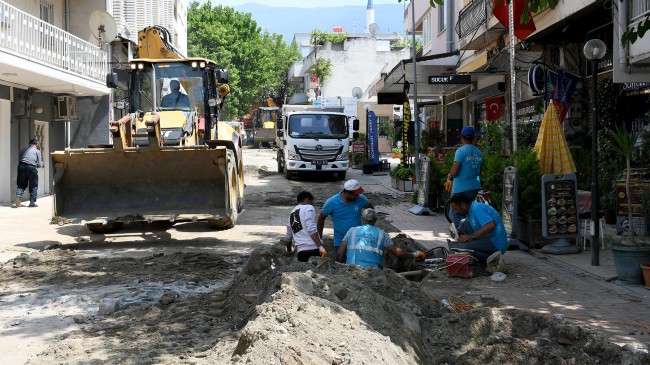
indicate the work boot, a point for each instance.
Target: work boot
{"x":17,"y":201}
{"x":33,"y":205}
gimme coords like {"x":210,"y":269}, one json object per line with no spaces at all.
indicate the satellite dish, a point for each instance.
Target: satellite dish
{"x":373,"y":29}
{"x":357,"y":92}
{"x":103,"y":26}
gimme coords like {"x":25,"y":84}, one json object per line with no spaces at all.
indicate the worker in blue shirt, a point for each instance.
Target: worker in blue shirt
{"x":364,"y":245}
{"x":464,"y":176}
{"x":345,"y":209}
{"x":30,"y":160}
{"x":482,"y":230}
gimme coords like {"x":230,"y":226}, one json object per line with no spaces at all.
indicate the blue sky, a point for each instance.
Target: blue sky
{"x":299,"y":3}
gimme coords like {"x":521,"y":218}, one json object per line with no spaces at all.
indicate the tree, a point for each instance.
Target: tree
{"x":256,"y":61}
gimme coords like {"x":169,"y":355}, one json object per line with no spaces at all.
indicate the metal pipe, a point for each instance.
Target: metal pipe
{"x":595,"y":199}
{"x":449,"y":17}
{"x":513,"y":102}
{"x":623,"y":62}
{"x":415,"y":99}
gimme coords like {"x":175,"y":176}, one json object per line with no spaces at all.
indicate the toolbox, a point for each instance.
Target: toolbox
{"x":461,"y":265}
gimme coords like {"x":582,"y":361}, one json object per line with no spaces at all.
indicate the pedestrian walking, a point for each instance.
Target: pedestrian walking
{"x":30,"y":160}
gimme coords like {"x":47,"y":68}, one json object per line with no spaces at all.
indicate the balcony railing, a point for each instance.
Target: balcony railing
{"x":471,"y":17}
{"x":638,"y":9}
{"x":28,"y":36}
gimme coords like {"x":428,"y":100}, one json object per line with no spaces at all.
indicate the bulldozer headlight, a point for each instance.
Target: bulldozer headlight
{"x":202,"y":64}
{"x":195,"y":65}
{"x":133,"y":66}
{"x":140,"y":66}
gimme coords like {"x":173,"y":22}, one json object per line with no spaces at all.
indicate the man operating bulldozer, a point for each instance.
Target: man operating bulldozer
{"x":175,"y":99}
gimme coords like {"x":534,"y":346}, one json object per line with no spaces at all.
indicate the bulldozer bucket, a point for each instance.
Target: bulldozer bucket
{"x":170,"y":184}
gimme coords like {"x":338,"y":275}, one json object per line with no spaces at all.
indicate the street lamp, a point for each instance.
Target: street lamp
{"x":594,"y":50}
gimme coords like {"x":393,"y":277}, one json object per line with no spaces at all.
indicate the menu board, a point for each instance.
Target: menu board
{"x":509,"y":200}
{"x":559,"y":206}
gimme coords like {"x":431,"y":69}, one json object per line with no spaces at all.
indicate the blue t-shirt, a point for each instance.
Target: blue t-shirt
{"x":344,"y":215}
{"x":468,"y":177}
{"x":481,"y":214}
{"x":366,"y":245}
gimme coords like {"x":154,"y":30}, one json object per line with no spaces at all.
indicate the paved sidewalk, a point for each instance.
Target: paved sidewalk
{"x":559,"y":285}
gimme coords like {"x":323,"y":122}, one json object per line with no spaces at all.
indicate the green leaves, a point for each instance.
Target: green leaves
{"x":256,"y":61}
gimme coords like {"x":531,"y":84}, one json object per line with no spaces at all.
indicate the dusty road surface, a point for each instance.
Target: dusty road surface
{"x":154,"y":294}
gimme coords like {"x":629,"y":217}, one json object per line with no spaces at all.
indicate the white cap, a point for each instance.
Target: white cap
{"x":353,"y":186}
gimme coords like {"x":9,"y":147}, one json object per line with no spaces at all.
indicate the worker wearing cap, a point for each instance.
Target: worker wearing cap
{"x":464,"y":176}
{"x":30,"y":160}
{"x":345,"y":209}
{"x":364,"y":245}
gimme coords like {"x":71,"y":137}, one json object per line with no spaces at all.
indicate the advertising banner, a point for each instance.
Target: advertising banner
{"x":559,"y":206}
{"x":373,"y":142}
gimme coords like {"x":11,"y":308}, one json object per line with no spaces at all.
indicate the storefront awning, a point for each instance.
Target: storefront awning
{"x":439,"y":64}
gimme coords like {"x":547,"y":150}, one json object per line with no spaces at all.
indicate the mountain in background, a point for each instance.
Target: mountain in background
{"x":287,"y":21}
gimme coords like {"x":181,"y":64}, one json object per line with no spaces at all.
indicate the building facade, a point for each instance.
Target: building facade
{"x":53,"y":69}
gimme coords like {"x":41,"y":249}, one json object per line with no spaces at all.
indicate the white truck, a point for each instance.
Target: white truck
{"x":314,"y":138}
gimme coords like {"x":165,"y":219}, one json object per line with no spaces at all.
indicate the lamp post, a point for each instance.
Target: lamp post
{"x":594,"y":50}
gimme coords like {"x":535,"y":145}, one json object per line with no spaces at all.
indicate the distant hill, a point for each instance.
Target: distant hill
{"x":287,"y":21}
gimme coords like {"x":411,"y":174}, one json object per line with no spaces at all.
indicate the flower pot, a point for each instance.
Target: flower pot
{"x":403,"y":185}
{"x":646,"y":274}
{"x":628,"y":260}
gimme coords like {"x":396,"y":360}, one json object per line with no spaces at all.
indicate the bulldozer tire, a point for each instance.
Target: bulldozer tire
{"x":233,"y":197}
{"x":104,"y":228}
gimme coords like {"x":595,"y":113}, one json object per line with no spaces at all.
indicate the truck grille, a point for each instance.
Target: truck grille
{"x":319,"y":153}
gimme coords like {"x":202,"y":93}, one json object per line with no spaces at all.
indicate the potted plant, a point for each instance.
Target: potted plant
{"x":396,"y":153}
{"x":629,"y":252}
{"x":401,"y":178}
{"x":358,"y":159}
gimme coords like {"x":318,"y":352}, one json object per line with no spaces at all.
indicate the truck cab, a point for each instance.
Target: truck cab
{"x":314,"y":139}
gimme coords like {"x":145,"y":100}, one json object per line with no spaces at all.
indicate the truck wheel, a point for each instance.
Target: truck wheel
{"x":104,"y":228}
{"x":287,"y":173}
{"x":341,"y":175}
{"x":280,"y":162}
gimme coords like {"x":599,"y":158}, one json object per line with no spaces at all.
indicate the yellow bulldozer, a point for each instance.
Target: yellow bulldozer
{"x":171,"y":159}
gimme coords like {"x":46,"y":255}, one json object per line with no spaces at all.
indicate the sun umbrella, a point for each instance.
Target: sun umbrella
{"x":552,"y":149}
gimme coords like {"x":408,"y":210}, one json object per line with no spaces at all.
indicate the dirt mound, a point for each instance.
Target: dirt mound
{"x":280,"y":311}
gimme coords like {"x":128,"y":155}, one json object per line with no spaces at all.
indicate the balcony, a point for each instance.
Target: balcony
{"x":48,"y":58}
{"x":639,"y":9}
{"x":473,"y":26}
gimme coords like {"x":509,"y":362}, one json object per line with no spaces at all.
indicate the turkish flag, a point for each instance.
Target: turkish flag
{"x":493,"y":108}
{"x":522,"y":31}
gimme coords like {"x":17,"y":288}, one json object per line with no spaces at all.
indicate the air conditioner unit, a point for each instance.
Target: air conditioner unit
{"x":66,"y":107}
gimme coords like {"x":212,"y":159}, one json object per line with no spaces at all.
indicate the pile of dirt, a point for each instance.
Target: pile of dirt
{"x":280,"y":311}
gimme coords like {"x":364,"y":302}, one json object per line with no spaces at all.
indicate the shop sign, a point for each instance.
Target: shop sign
{"x":450,"y":79}
{"x":621,"y":197}
{"x":530,"y":111}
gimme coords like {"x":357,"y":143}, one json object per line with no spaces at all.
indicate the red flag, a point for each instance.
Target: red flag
{"x":522,"y":31}
{"x":493,"y":108}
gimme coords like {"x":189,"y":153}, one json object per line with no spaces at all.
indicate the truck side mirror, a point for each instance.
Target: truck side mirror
{"x":279,"y":133}
{"x":355,"y":124}
{"x":355,"y":135}
{"x":111,"y":80}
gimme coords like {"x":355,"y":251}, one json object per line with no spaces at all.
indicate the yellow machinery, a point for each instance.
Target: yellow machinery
{"x":171,"y":159}
{"x":264,"y":123}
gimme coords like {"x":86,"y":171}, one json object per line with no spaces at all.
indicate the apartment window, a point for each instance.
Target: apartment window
{"x":426,"y":30}
{"x":47,"y":12}
{"x":442,"y":19}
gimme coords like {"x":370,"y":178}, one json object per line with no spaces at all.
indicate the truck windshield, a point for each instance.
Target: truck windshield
{"x":179,"y":87}
{"x":318,"y":126}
